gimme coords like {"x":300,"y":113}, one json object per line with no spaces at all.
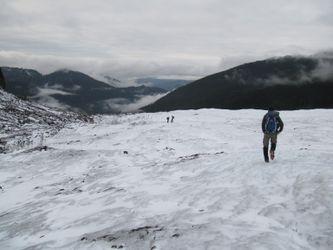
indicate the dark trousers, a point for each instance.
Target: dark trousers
{"x":270,"y":138}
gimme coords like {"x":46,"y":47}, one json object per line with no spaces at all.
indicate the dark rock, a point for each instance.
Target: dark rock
{"x":116,"y":246}
{"x":2,"y":80}
{"x":107,"y":237}
{"x":142,"y":228}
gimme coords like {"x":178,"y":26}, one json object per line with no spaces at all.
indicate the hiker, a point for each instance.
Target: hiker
{"x":168,"y":118}
{"x":271,"y":125}
{"x":172,"y":118}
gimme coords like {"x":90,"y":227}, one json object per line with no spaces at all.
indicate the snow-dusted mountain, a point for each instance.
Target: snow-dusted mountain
{"x":137,"y":182}
{"x":73,"y":90}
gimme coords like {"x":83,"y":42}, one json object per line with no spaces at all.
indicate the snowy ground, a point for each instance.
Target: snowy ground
{"x":199,"y":183}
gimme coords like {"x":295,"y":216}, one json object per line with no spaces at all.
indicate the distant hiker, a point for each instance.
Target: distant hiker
{"x":172,"y":118}
{"x":2,"y":80}
{"x":271,"y":125}
{"x":168,"y":118}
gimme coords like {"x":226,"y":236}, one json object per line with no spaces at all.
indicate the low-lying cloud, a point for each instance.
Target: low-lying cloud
{"x":124,"y":106}
{"x":52,"y":102}
{"x":123,"y":69}
{"x":322,"y":72}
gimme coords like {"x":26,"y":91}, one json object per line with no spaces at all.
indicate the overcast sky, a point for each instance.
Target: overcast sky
{"x":175,"y":38}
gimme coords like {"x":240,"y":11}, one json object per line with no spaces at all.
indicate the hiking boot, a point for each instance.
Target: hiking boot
{"x":265,"y":150}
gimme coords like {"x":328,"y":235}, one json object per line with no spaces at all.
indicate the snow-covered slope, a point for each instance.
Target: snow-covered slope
{"x":25,"y":123}
{"x":136,"y":182}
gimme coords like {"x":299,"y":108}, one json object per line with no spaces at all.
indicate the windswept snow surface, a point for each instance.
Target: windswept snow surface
{"x":198,"y":183}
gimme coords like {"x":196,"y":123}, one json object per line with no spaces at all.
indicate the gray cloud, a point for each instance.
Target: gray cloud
{"x":324,"y":71}
{"x":124,"y":106}
{"x":98,"y":67}
{"x":134,"y":38}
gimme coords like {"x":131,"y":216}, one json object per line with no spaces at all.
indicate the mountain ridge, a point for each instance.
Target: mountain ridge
{"x":285,"y":83}
{"x":72,"y":90}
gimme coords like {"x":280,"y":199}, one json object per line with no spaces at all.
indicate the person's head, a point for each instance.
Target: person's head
{"x":270,"y":109}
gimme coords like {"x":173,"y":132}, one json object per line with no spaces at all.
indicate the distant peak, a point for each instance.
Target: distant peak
{"x":112,"y":79}
{"x":66,"y":71}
